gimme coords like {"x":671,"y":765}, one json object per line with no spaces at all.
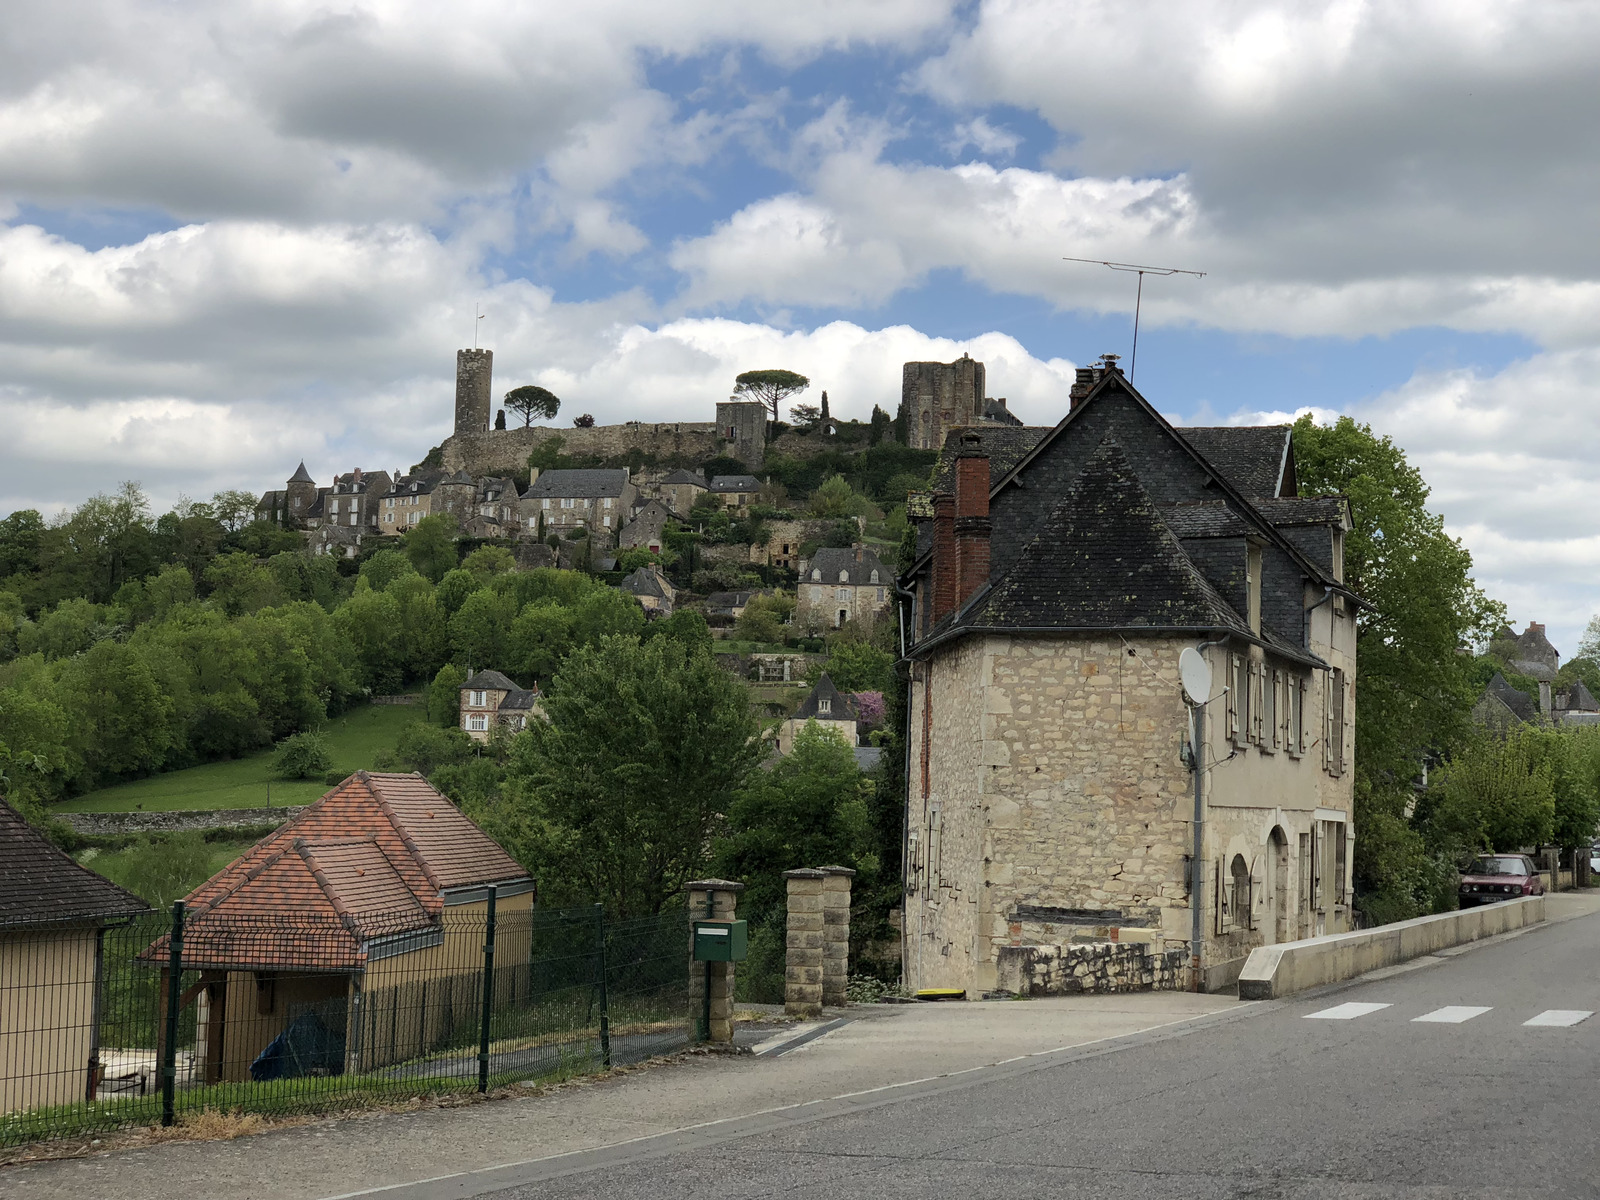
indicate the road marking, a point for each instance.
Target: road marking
{"x":1345,"y":1012}
{"x":1561,"y":1017}
{"x":1451,"y":1014}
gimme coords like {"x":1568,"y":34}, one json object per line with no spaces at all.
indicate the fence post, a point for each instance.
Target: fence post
{"x":169,"y":1050}
{"x":488,"y":994}
{"x":605,"y":1001}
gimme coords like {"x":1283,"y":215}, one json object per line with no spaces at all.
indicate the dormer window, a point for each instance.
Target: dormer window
{"x":873,"y":578}
{"x":844,"y":576}
{"x":825,"y":706}
{"x":816,"y":576}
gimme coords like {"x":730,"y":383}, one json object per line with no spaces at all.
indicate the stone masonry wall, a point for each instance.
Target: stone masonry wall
{"x":112,"y":824}
{"x":503,"y":451}
{"x":1095,"y":967}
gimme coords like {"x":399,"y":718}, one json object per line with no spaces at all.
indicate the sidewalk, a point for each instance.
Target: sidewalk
{"x":878,"y":1046}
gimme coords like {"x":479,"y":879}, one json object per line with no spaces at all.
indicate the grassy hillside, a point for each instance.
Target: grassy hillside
{"x":355,"y":738}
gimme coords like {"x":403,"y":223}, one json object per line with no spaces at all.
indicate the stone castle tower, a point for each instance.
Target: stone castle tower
{"x":742,"y":428}
{"x":938,"y":397}
{"x":474,"y":377}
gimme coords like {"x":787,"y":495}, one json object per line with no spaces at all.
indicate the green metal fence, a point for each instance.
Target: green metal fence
{"x":143,"y":1022}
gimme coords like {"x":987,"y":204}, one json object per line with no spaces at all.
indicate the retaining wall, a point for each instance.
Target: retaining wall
{"x":1290,"y":967}
{"x":1090,"y":967}
{"x":112,"y":824}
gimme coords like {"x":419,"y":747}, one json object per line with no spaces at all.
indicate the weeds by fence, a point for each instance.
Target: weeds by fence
{"x":97,"y":1030}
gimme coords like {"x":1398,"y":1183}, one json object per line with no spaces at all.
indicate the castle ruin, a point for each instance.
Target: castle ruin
{"x":937,"y":397}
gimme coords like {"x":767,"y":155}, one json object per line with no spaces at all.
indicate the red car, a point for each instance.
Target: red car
{"x":1494,"y":877}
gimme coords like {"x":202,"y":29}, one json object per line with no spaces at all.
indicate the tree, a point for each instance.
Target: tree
{"x":622,"y":790}
{"x":540,"y":638}
{"x":530,"y":401}
{"x":488,"y":561}
{"x":1495,"y":793}
{"x":479,"y":629}
{"x":882,"y":424}
{"x":233,"y":509}
{"x":836,"y":498}
{"x":856,"y":666}
{"x":805,"y":417}
{"x":1414,"y":688}
{"x":500,"y":418}
{"x":586,"y":421}
{"x":431,"y":547}
{"x":444,"y":696}
{"x":770,"y":388}
{"x":1589,"y":644}
{"x":302,"y":756}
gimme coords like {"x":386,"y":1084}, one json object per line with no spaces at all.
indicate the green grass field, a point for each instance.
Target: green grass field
{"x":355,"y":738}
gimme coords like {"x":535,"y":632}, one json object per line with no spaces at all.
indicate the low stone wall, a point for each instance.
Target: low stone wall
{"x":505,"y":451}
{"x":1090,"y":967}
{"x":1290,"y":967}
{"x":113,"y":824}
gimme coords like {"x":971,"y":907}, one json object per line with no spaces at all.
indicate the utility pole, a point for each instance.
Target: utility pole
{"x":1138,"y":296}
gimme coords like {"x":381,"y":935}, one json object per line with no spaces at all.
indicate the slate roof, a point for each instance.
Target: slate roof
{"x":1006,"y":445}
{"x":682,"y":476}
{"x":483,"y":681}
{"x":521,"y":700}
{"x":649,"y":521}
{"x":301,"y":475}
{"x":372,"y":858}
{"x":832,"y":560}
{"x":1105,"y":558}
{"x":644,"y":582}
{"x":1209,"y":519}
{"x":735,"y":483}
{"x":996,"y":411}
{"x":586,"y":484}
{"x":41,"y":885}
{"x":724,"y":602}
{"x":839,"y":708}
{"x":1519,"y":702}
{"x":1284,"y":511}
{"x":1254,"y":458}
{"x":1579,"y":699}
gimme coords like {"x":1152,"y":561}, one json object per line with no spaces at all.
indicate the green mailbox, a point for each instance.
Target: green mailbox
{"x":720,"y":941}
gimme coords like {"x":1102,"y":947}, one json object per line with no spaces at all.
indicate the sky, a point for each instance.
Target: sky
{"x":238,"y":234}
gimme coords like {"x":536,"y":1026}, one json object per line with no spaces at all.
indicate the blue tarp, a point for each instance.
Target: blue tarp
{"x":306,"y":1047}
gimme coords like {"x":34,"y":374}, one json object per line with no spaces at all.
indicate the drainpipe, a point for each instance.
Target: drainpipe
{"x":910,"y":596}
{"x":1197,"y":872}
{"x":1327,"y":594}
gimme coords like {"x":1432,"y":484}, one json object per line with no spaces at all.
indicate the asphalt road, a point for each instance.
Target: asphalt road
{"x":1273,"y":1101}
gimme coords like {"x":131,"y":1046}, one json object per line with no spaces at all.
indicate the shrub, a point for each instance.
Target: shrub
{"x":302,"y":756}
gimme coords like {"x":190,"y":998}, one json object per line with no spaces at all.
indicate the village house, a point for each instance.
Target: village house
{"x":651,"y":589}
{"x":1531,"y":655}
{"x":408,"y":500}
{"x":681,"y":489}
{"x":1051,"y":800}
{"x":352,"y":501}
{"x":489,"y":700}
{"x":598,"y":500}
{"x":53,"y":918}
{"x":840,"y":585}
{"x":647,"y":530}
{"x":736,"y":491}
{"x":826,"y":705}
{"x":363,"y":917}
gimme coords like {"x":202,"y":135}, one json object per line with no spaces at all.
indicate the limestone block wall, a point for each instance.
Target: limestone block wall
{"x":503,"y":451}
{"x":1056,"y":970}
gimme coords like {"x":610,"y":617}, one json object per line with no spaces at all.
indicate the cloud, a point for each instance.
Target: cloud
{"x":986,"y":138}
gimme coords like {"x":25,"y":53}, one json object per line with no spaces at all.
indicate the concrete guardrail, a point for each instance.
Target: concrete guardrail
{"x":1289,"y":967}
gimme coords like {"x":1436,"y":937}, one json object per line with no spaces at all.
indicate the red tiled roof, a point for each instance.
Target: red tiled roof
{"x":369,"y":859}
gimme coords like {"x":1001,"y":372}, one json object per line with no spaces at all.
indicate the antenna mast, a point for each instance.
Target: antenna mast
{"x":476,"y":317}
{"x":1138,"y":296}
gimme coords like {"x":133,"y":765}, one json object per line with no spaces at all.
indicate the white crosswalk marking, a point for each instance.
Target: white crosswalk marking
{"x":1451,"y":1014}
{"x":1345,"y":1012}
{"x":1561,"y":1017}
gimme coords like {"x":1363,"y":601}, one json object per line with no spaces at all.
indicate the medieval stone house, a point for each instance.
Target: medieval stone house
{"x":1050,"y":798}
{"x":601,"y":500}
{"x":840,"y":585}
{"x":490,"y":701}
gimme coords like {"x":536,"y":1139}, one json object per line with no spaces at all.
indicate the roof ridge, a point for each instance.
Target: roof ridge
{"x":308,"y":856}
{"x":406,"y":840}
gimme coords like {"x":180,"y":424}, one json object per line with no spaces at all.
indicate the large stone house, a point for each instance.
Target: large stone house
{"x":53,"y":917}
{"x":1051,"y":798}
{"x":736,"y":491}
{"x":647,"y":530}
{"x":600,"y":500}
{"x":345,"y":915}
{"x":681,"y":489}
{"x":489,"y":700}
{"x":839,"y":585}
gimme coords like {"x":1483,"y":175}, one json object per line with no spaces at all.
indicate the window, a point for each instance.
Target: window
{"x":475,"y":699}
{"x":411,"y":518}
{"x":815,"y":575}
{"x":1253,"y":582}
{"x":566,"y":503}
{"x":1239,"y":886}
{"x":873,"y":578}
{"x":825,"y":705}
{"x":608,"y":501}
{"x":1296,"y":731}
{"x":606,"y":521}
{"x":1258,"y":728}
{"x":1239,"y":700}
{"x":1305,"y":872}
{"x":1333,"y":734}
{"x":843,"y":595}
{"x":880,"y":596}
{"x":1341,"y":852}
{"x":816,"y":595}
{"x":477,"y":723}
{"x":353,"y":518}
{"x":545,"y":504}
{"x":844,"y":576}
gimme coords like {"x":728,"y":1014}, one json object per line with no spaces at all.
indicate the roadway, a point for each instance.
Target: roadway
{"x":1471,"y":1075}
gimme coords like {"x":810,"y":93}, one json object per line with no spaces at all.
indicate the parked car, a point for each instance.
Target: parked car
{"x":1493,"y":877}
{"x":1594,"y":860}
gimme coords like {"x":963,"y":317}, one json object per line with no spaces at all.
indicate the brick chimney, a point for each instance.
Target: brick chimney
{"x":972,"y":516}
{"x":946,"y":565}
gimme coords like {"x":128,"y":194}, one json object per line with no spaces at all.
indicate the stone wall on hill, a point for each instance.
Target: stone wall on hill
{"x":505,"y":451}
{"x":111,"y":824}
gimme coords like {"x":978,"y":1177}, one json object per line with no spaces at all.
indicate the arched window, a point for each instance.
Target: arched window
{"x":816,"y":575}
{"x":874,"y":577}
{"x":1239,"y":902}
{"x":844,"y":576}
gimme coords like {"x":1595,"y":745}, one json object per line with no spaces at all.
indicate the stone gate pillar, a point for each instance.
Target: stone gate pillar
{"x":802,"y":978}
{"x":716,"y":899}
{"x":835,"y":934}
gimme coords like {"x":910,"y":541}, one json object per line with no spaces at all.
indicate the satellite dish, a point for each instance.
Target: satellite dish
{"x":1196,"y":675}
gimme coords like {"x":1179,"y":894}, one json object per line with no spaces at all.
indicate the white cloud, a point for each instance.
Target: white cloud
{"x":986,"y":138}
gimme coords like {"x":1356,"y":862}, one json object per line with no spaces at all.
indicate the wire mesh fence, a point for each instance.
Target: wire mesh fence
{"x":141,"y":1022}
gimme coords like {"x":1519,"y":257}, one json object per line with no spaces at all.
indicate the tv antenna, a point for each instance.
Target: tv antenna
{"x":478,"y":316}
{"x":1138,"y":296}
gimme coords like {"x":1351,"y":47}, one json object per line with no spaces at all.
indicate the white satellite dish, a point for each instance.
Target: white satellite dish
{"x":1196,"y":675}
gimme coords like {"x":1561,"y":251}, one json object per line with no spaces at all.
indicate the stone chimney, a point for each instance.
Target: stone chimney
{"x":1087,"y":377}
{"x":946,"y":562}
{"x":972,"y":516}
